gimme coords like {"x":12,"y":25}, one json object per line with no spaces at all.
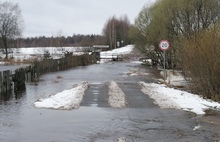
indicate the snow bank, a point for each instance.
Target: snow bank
{"x":118,"y":51}
{"x":116,"y":96}
{"x":172,"y":98}
{"x":65,"y":100}
{"x":107,"y":55}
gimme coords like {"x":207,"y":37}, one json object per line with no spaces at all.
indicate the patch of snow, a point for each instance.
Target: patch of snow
{"x":65,"y":100}
{"x":196,"y":127}
{"x":136,"y":72}
{"x":172,"y":98}
{"x":122,"y":139}
{"x":51,"y":50}
{"x":118,"y":51}
{"x":116,"y":96}
{"x":146,"y":61}
{"x":136,"y":62}
{"x":2,"y":63}
{"x":102,"y":61}
{"x":115,"y":52}
{"x":174,"y":78}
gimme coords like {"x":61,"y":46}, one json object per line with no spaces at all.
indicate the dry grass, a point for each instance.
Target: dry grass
{"x":12,"y":61}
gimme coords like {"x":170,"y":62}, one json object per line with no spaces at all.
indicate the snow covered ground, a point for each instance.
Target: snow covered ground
{"x":174,"y":78}
{"x":33,"y":53}
{"x":163,"y":96}
{"x":119,"y":51}
{"x":108,"y":55}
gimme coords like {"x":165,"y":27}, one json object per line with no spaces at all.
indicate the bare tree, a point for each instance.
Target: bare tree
{"x":116,"y":30}
{"x":10,"y":23}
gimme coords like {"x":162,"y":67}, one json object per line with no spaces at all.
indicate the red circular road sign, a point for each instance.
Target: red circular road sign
{"x":164,"y":45}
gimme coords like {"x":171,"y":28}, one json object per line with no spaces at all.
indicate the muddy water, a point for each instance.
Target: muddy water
{"x":95,"y":120}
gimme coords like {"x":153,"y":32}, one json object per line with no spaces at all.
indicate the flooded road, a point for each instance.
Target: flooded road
{"x":95,"y":120}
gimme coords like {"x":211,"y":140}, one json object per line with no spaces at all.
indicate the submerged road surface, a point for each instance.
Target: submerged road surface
{"x":96,"y":121}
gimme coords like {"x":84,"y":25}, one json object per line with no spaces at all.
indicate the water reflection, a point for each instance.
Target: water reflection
{"x":10,"y":67}
{"x":11,"y":94}
{"x":9,"y":88}
{"x":6,"y":95}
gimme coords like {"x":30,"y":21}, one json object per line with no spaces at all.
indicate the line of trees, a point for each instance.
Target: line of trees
{"x":59,"y":41}
{"x":192,"y":28}
{"x":116,"y":31}
{"x":115,"y":34}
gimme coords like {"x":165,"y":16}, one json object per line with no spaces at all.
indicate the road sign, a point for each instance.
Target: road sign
{"x":164,"y":45}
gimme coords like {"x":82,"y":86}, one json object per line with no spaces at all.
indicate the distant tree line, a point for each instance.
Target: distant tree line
{"x":59,"y":41}
{"x":115,"y":33}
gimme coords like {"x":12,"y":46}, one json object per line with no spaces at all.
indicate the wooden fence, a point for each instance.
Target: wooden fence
{"x":5,"y":85}
{"x":13,"y":84}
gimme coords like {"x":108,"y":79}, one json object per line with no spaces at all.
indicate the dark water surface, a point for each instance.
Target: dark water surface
{"x":10,"y":67}
{"x":95,"y":120}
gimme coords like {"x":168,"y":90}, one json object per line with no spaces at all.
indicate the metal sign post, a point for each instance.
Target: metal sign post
{"x":164,"y":45}
{"x":164,"y":65}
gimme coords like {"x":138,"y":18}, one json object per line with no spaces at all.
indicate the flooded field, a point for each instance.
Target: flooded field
{"x":95,"y":120}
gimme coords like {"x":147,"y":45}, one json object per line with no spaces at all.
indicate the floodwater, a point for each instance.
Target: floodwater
{"x":10,"y":67}
{"x":95,"y":120}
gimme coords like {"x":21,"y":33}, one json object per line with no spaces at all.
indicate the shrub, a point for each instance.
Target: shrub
{"x":201,"y":59}
{"x":47,"y":55}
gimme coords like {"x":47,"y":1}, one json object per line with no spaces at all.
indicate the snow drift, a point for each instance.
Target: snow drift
{"x":171,"y":98}
{"x":65,"y":100}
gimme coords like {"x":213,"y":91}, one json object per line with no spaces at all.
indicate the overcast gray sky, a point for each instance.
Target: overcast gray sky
{"x":48,"y":17}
